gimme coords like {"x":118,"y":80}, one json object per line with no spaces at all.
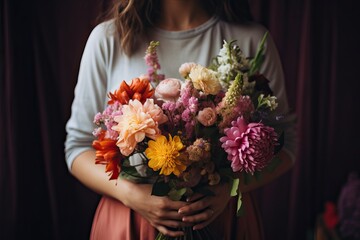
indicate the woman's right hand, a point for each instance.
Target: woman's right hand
{"x":160,"y":212}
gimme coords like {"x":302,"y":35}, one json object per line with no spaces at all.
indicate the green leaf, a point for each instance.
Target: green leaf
{"x":176,"y":194}
{"x":240,"y":209}
{"x":131,"y":170}
{"x":161,"y":236}
{"x":160,"y":189}
{"x":130,"y":173}
{"x":234,"y":187}
{"x":256,"y":62}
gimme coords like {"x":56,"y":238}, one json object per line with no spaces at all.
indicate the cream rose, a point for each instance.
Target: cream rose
{"x":207,"y":116}
{"x":168,"y":90}
{"x":205,"y":79}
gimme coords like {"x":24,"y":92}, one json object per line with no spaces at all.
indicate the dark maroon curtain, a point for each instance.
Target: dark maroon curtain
{"x":41,"y":45}
{"x":318,"y":43}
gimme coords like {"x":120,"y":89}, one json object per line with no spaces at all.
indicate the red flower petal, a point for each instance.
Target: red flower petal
{"x":108,"y":153}
{"x":330,"y":217}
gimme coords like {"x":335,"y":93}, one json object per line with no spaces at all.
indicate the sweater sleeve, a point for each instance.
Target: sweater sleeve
{"x":286,"y":118}
{"x":89,"y":95}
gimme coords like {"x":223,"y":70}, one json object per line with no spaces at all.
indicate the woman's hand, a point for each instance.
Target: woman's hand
{"x":161,"y":212}
{"x":202,"y":210}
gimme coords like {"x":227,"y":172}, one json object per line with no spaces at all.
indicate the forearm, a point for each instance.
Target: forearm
{"x":266,"y":177}
{"x":161,"y":212}
{"x":94,"y":177}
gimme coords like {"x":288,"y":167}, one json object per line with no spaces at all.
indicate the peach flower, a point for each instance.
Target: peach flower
{"x":205,"y":79}
{"x":185,"y":68}
{"x":137,"y":122}
{"x":168,"y":90}
{"x":207,"y":116}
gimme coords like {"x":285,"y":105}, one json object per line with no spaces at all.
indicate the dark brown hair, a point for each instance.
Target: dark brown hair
{"x":133,"y":17}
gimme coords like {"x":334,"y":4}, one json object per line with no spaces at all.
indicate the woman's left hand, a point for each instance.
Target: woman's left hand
{"x":202,"y":210}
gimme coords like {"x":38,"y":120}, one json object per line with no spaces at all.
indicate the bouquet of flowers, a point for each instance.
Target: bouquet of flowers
{"x":186,"y":135}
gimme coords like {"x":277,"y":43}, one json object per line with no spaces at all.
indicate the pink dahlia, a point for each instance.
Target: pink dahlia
{"x":250,"y":147}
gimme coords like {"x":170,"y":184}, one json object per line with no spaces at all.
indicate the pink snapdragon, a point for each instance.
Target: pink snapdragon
{"x":151,"y":59}
{"x":243,"y":107}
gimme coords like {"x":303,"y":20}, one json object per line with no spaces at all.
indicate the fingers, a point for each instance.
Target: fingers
{"x":172,"y":205}
{"x":169,"y":223}
{"x":166,"y":214}
{"x":172,"y":224}
{"x":195,"y":207}
{"x":171,"y":228}
{"x":194,"y":197}
{"x":165,"y":208}
{"x":201,"y":217}
{"x":168,"y":232}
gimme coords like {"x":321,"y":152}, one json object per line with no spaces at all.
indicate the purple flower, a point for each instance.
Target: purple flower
{"x":189,"y":128}
{"x":187,"y":91}
{"x":105,"y":120}
{"x":98,"y":119}
{"x":349,"y":208}
{"x":250,"y":147}
{"x":97,"y":131}
{"x":186,"y":115}
{"x":193,"y":104}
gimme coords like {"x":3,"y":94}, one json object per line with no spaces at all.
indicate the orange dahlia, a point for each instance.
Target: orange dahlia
{"x":139,"y":89}
{"x":108,"y":153}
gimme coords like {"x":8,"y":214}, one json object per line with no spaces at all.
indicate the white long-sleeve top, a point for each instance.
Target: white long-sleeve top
{"x":104,"y":65}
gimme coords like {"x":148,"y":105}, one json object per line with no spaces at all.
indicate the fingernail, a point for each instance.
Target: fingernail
{"x":184,"y":219}
{"x":180,"y":211}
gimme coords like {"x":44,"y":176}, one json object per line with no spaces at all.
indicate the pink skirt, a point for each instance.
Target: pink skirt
{"x":113,"y":221}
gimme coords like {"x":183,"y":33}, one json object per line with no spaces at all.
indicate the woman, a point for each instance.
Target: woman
{"x":188,"y":31}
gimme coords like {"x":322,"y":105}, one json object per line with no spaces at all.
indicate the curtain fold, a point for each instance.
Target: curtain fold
{"x":41,"y":46}
{"x":300,"y":223}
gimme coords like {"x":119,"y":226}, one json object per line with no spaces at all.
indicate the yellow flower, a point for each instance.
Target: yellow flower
{"x":165,"y":155}
{"x":205,"y":79}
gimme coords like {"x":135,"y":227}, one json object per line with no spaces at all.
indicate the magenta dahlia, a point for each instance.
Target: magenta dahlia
{"x":250,"y":147}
